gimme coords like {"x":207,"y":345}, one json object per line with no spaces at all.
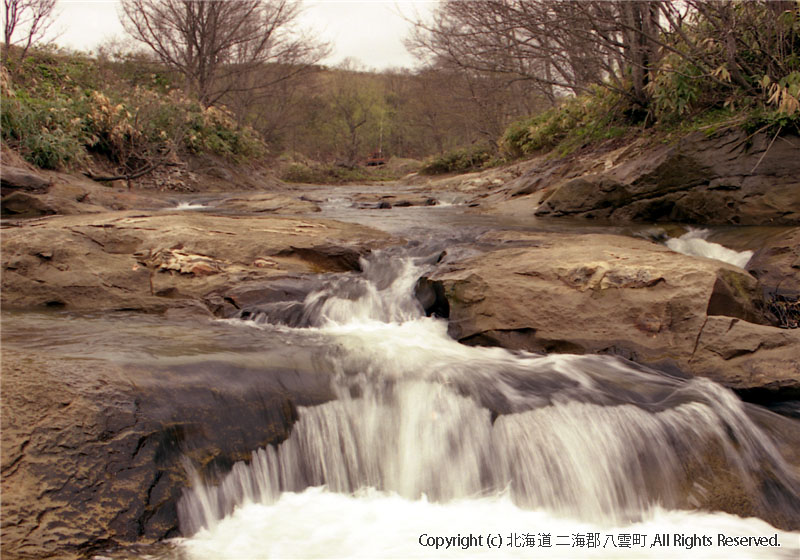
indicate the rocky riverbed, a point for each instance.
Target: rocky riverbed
{"x":92,"y":448}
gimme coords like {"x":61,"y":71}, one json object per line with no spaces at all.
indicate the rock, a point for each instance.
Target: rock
{"x":13,"y":178}
{"x":612,"y":294}
{"x":78,"y":196}
{"x":26,"y":204}
{"x":269,"y":202}
{"x":727,"y":179}
{"x":777,"y":264}
{"x":154,"y":262}
{"x":400,"y":198}
{"x":277,"y":301}
{"x":777,"y":267}
{"x":745,"y":356}
{"x":100,"y":462}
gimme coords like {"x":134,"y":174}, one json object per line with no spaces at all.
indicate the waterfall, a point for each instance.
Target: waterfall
{"x":422,"y":418}
{"x":694,"y":243}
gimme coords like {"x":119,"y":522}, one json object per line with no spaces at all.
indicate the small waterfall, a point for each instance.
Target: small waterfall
{"x":424,"y":418}
{"x":694,"y":243}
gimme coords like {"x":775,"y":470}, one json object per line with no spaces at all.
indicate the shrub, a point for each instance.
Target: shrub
{"x":57,"y":109}
{"x":578,"y":121}
{"x":46,"y":133}
{"x":214,"y":130}
{"x":465,"y":159}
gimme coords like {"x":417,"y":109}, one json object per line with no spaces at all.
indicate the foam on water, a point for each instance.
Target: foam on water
{"x":694,"y":243}
{"x":317,"y":523}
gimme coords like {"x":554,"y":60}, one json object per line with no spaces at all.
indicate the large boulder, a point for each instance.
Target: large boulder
{"x":612,"y":294}
{"x":731,"y":178}
{"x":101,"y":461}
{"x":154,"y":262}
{"x":70,"y":195}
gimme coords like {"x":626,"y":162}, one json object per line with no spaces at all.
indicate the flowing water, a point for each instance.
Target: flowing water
{"x":430,"y":437}
{"x":695,"y":242}
{"x":434,"y":448}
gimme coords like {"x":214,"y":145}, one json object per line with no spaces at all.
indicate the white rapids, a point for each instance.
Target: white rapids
{"x":189,"y":206}
{"x":431,"y":437}
{"x":694,"y":243}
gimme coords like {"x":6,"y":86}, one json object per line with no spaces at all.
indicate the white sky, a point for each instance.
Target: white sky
{"x":371,"y":31}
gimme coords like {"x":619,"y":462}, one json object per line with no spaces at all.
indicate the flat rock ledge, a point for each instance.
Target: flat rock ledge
{"x":134,"y":261}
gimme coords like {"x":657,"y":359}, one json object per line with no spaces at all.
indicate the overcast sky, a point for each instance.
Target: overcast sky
{"x":371,"y":31}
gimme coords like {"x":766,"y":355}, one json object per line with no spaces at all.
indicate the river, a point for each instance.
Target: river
{"x":436,"y":449}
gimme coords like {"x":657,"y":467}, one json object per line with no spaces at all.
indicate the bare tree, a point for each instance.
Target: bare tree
{"x":622,"y":45}
{"x":32,"y":17}
{"x":556,"y":47}
{"x":217,"y":45}
{"x":528,"y":40}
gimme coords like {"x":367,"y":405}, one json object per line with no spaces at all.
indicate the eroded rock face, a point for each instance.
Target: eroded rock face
{"x":728,"y":179}
{"x":612,"y":294}
{"x":777,"y":267}
{"x":155,"y":262}
{"x":99,"y":462}
{"x":70,"y":195}
{"x":19,"y":178}
{"x":777,"y":263}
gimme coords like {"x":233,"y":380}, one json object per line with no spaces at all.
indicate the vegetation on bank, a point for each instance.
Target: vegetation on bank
{"x":125,"y":112}
{"x":312,"y":172}
{"x":666,"y":68}
{"x":61,"y":109}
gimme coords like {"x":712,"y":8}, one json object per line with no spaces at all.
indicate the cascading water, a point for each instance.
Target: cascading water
{"x":694,"y":243}
{"x":561,"y":443}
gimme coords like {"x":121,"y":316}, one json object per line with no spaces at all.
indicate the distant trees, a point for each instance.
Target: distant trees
{"x":556,"y":47}
{"x":31,"y":17}
{"x":352,"y":104}
{"x":220,"y":47}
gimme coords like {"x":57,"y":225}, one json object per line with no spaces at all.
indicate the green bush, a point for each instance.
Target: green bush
{"x":214,"y":130}
{"x":578,"y":121}
{"x":465,"y":159}
{"x":46,"y":133}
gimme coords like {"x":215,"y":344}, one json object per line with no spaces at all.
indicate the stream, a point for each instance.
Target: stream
{"x":436,"y":449}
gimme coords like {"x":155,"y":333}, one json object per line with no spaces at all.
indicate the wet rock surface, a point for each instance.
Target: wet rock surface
{"x":623,"y":296}
{"x":275,"y":203}
{"x":100,"y":461}
{"x":777,"y":266}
